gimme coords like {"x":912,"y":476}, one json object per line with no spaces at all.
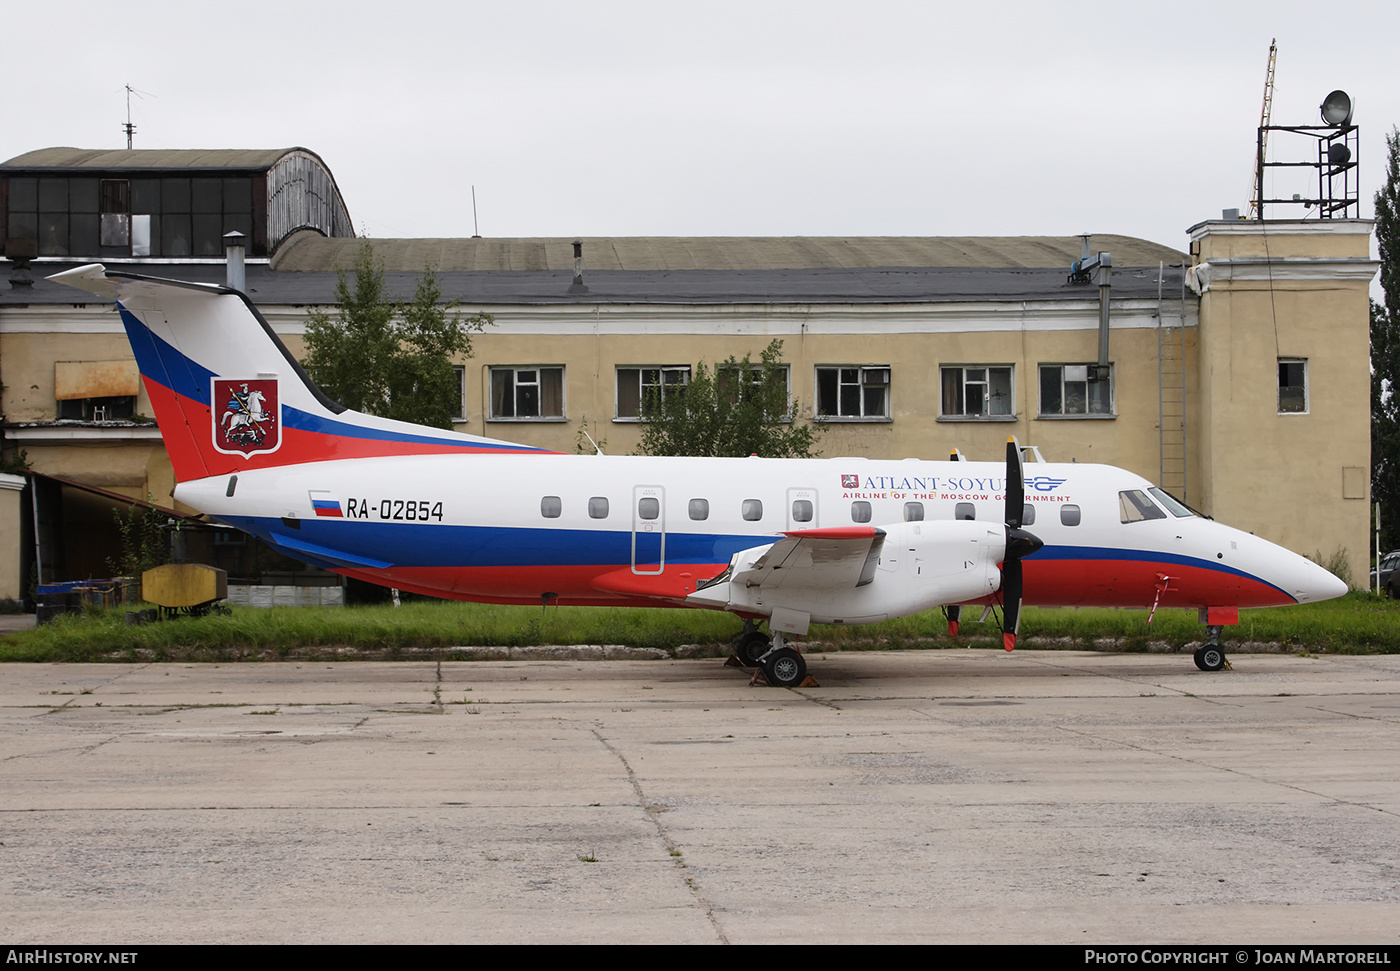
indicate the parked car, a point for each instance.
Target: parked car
{"x":1390,"y":575}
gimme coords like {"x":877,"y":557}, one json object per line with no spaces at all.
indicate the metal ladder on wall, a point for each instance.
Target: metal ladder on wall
{"x":1171,"y":392}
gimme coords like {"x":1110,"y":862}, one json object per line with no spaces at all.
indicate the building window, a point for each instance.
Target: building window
{"x":459,"y":410}
{"x":1292,"y":386}
{"x":848,"y":392}
{"x":527,"y":393}
{"x":1075,"y":391}
{"x":978,"y":392}
{"x":643,"y":388}
{"x":737,"y":387}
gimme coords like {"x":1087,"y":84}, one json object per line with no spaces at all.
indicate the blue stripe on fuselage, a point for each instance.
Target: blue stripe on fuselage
{"x":430,"y":545}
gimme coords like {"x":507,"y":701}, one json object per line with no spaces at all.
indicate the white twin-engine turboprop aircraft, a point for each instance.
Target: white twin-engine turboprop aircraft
{"x":827,"y":541}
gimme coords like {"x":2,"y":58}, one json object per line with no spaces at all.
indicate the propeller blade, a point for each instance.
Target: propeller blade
{"x":1015,"y":484}
{"x":1011,"y":600}
{"x":1019,"y":543}
{"x":954,"y":614}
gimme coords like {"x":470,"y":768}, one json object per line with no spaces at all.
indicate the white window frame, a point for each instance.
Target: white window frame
{"x":1307,"y":399}
{"x":971,"y":369}
{"x":866,"y":376}
{"x":516,"y":384}
{"x":1069,"y":374}
{"x":460,"y":412}
{"x":638,"y":372}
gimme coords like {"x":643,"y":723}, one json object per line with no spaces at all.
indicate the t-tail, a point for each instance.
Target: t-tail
{"x":227,"y":393}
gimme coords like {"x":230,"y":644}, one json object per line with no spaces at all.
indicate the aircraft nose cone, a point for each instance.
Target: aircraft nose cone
{"x":1321,"y":585}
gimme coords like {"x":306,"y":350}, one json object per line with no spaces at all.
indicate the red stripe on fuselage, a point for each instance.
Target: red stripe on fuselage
{"x":1133,"y":583}
{"x":584,"y":586}
{"x":193,"y":456}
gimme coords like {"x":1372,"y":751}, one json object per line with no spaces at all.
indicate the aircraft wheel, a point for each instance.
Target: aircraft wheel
{"x":750,"y":648}
{"x":1209,"y":658}
{"x":785,"y":668}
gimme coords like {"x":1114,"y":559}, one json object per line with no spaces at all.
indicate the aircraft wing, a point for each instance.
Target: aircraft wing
{"x":835,"y":558}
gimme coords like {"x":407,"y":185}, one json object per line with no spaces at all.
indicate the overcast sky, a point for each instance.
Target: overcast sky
{"x":716,"y":118}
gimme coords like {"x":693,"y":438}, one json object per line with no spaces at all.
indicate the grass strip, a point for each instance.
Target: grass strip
{"x":1356,"y":624}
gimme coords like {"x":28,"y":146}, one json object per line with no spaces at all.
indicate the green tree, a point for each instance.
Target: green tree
{"x":389,"y":359}
{"x":739,"y":408}
{"x":1385,"y":353}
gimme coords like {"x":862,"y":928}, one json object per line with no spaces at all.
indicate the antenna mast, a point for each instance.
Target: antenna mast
{"x":129,"y":128}
{"x":1256,"y":195}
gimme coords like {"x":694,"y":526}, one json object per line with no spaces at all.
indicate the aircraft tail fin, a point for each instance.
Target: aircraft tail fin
{"x":227,"y":393}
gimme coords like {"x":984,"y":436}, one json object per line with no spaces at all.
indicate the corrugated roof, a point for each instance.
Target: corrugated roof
{"x":151,"y":158}
{"x":889,"y":285}
{"x":312,"y":253}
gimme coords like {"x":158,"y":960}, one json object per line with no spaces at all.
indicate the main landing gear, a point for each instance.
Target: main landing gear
{"x":783,"y":666}
{"x":1210,"y":656}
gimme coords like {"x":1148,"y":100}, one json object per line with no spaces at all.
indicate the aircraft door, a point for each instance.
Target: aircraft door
{"x":802,"y":509}
{"x":648,"y":529}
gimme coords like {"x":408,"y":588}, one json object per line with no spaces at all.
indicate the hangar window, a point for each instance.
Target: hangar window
{"x":527,"y":394}
{"x":977,"y":392}
{"x":96,"y":390}
{"x":1292,"y":386}
{"x":850,"y":392}
{"x":640,"y":389}
{"x":1075,"y":391}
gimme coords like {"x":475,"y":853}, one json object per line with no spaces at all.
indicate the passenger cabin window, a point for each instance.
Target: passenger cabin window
{"x":752,"y":510}
{"x":913,"y":512}
{"x":1069,"y":515}
{"x":1135,"y":507}
{"x":649,"y":508}
{"x":802,"y":510}
{"x":551,"y":507}
{"x":964,"y":510}
{"x":860,"y":511}
{"x":598,"y":507}
{"x":1028,"y":514}
{"x":699,"y":509}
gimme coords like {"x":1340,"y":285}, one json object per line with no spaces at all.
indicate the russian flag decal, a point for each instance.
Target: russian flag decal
{"x":325,"y":503}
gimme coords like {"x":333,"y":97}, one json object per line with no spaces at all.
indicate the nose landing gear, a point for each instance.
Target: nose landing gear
{"x":1210,"y":656}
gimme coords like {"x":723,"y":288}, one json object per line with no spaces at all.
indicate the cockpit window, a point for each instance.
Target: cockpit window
{"x":1135,"y":507}
{"x":1174,"y":506}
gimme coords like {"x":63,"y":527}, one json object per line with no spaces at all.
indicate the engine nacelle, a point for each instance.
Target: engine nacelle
{"x":921,"y":565}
